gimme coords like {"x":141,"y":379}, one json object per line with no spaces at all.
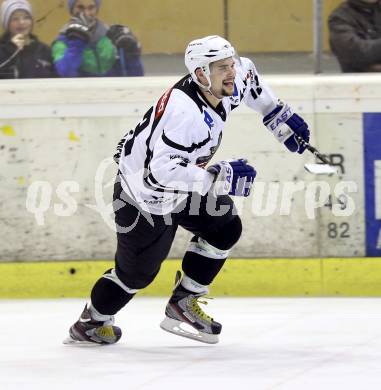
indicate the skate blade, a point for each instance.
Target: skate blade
{"x":179,"y":328}
{"x":70,"y":341}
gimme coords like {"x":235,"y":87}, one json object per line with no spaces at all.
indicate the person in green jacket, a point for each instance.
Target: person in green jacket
{"x":86,"y":47}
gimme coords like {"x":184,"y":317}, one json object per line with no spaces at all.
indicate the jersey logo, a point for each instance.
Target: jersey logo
{"x":162,"y":103}
{"x":203,"y":160}
{"x":208,"y":120}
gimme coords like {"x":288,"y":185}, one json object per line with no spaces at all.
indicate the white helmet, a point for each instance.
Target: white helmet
{"x":201,"y":52}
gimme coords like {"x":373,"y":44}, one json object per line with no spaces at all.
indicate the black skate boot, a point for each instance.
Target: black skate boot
{"x":89,"y":331}
{"x":183,"y":308}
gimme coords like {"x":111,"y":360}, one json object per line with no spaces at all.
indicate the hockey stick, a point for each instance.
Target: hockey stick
{"x":317,"y":169}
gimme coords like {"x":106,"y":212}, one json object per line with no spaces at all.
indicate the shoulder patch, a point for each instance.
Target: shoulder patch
{"x":162,"y":103}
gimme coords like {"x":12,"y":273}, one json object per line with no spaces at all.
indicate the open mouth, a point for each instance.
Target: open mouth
{"x":228,"y":84}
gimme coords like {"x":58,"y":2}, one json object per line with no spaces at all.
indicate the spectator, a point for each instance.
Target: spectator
{"x":22,"y":55}
{"x":86,"y":47}
{"x":355,"y":35}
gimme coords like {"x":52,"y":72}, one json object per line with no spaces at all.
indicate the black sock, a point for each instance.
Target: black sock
{"x":108,"y":298}
{"x":200,"y":268}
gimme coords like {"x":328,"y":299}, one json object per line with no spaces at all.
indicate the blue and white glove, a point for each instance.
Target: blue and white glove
{"x":232,"y":177}
{"x":284,"y":124}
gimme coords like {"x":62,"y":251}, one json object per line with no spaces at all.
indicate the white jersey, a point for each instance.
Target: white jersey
{"x":162,"y":160}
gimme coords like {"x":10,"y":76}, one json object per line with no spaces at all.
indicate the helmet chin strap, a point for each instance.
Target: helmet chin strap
{"x":206,"y":71}
{"x":210,"y":91}
{"x":206,"y":88}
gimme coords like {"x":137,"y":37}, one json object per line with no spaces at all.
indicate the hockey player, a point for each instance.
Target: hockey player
{"x":162,"y":184}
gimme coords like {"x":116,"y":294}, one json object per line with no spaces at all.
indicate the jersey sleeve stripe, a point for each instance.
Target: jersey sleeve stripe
{"x":152,"y":182}
{"x":188,"y":149}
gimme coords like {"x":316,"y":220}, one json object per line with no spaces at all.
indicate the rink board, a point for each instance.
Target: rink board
{"x":240,"y":277}
{"x":57,"y":139}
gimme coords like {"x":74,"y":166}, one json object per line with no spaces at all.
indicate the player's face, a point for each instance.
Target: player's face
{"x":87,"y":7}
{"x":20,"y":23}
{"x":222,"y":75}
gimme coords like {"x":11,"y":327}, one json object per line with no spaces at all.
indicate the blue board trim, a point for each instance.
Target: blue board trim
{"x":372,"y":152}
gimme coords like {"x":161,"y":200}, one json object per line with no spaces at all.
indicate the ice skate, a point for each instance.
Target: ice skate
{"x":89,"y":331}
{"x":184,"y":316}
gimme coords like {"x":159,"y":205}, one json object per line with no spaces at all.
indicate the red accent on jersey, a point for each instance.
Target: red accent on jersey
{"x":250,"y":75}
{"x":162,"y":103}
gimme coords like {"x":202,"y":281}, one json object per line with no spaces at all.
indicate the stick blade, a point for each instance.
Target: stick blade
{"x":320,"y":169}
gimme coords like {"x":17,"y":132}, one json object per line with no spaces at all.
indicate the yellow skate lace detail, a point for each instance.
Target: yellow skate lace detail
{"x":105,"y":332}
{"x":197,"y":309}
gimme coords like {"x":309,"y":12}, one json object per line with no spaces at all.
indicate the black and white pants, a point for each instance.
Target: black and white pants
{"x":141,"y":250}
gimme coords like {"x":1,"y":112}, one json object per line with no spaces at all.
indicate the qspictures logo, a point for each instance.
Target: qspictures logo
{"x":266,"y":199}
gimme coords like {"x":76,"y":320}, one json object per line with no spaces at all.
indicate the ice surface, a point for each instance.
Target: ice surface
{"x":296,"y":344}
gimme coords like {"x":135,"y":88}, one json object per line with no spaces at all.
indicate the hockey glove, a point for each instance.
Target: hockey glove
{"x":122,"y":38}
{"x":284,"y":124}
{"x":79,"y":27}
{"x":233,"y":177}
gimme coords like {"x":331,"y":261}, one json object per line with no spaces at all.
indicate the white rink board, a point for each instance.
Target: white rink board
{"x":59,"y":132}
